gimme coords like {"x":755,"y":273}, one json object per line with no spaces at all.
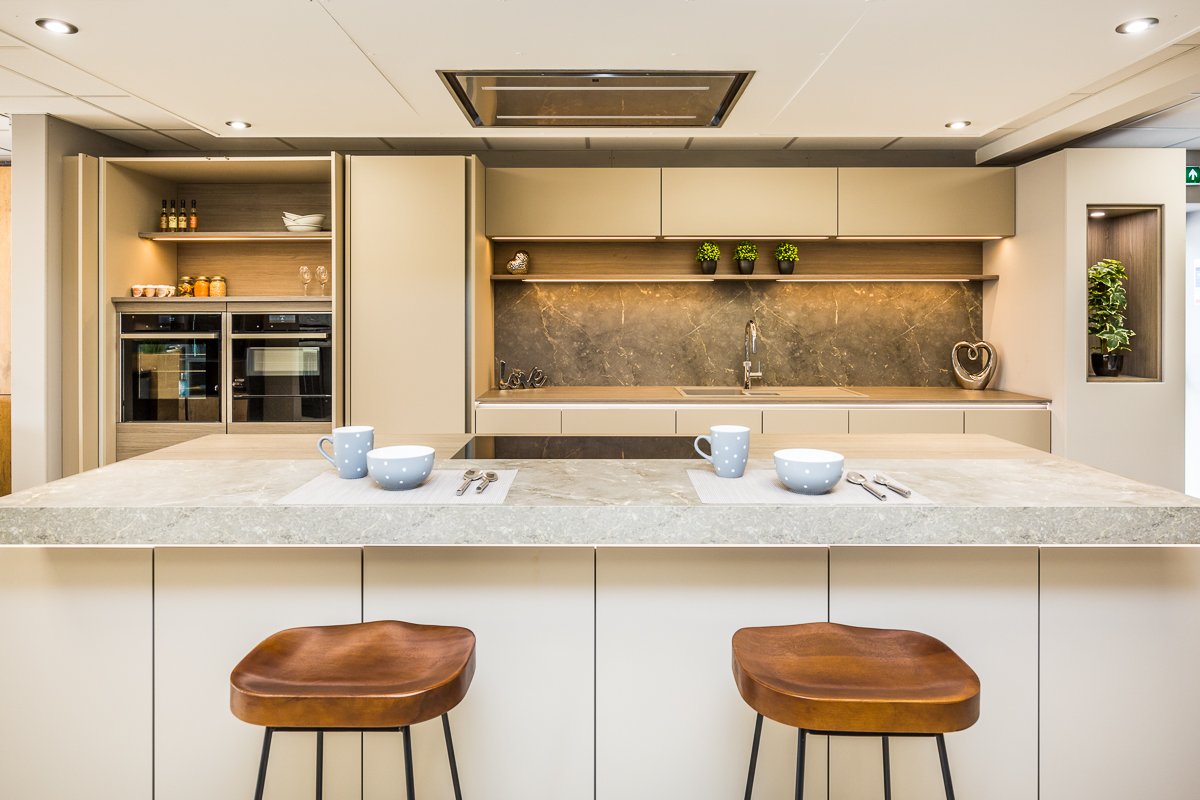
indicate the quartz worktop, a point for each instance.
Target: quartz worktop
{"x":870,"y":395}
{"x":224,"y":490}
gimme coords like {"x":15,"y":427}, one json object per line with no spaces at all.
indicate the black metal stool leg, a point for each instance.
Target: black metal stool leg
{"x":753,"y":756}
{"x":262,"y":764}
{"x":887,"y":771}
{"x":410,"y":790}
{"x":941,"y":743}
{"x":800,"y":739}
{"x":450,"y":752}
{"x":320,"y":763}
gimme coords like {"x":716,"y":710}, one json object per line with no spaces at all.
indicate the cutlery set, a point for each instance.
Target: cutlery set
{"x":859,"y":479}
{"x":471,"y":475}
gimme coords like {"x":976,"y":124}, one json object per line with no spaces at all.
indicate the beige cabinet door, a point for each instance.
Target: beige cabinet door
{"x":934,"y":201}
{"x":1027,"y":426}
{"x":806,"y":420}
{"x":407,"y":293}
{"x":494,"y":420}
{"x":618,"y":421}
{"x":596,"y":202}
{"x":905,"y":420}
{"x":754,"y":201}
{"x":695,"y":421}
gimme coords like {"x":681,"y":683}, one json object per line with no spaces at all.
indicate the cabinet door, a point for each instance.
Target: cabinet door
{"x":407,"y":294}
{"x":726,"y":201}
{"x":518,"y":420}
{"x":695,"y":421}
{"x":1027,"y":426}
{"x":806,"y":420}
{"x":905,"y":420}
{"x":536,"y":202}
{"x":618,"y":421}
{"x":935,"y":201}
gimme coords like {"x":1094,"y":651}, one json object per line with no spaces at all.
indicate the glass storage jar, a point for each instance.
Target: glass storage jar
{"x":200,"y":286}
{"x":217,"y":286}
{"x":185,"y":287}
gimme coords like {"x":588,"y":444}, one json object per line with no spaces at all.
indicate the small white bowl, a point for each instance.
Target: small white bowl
{"x":809,"y":471}
{"x":289,"y":215}
{"x":403,"y":466}
{"x":303,"y":228}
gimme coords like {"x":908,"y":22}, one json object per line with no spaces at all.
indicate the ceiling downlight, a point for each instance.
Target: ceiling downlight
{"x":1140,"y":25}
{"x":59,"y":26}
{"x":595,"y":99}
{"x":958,"y":124}
{"x":239,"y":124}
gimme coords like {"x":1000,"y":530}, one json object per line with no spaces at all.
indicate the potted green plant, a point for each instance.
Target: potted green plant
{"x":786,"y":255}
{"x":707,"y":254}
{"x":1106,"y":315}
{"x":746,"y":253}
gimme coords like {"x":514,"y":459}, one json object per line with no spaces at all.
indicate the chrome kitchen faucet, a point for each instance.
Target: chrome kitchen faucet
{"x":751,"y":347}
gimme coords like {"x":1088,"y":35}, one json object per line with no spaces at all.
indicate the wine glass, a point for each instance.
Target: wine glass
{"x":323,"y":277}
{"x":305,"y":278}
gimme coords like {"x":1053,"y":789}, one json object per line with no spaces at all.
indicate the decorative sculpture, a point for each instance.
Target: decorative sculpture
{"x":519,"y":264}
{"x":987,"y":370}
{"x":517,"y":379}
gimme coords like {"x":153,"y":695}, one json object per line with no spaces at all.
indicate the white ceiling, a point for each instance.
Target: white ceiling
{"x":829,"y":74}
{"x":1177,"y":126}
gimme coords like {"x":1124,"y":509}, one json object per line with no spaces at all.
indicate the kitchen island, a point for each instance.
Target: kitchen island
{"x":604,"y":632}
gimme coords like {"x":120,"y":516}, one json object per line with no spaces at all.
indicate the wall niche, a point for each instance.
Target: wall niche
{"x":1133,"y":236}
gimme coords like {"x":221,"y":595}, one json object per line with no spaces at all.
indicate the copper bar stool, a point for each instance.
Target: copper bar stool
{"x":371,"y":676}
{"x":838,"y":680}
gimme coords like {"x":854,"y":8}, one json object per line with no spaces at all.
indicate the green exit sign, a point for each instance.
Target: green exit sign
{"x":1193,"y":176}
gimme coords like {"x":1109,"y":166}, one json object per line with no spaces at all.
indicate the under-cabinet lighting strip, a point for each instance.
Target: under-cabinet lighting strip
{"x":848,"y":279}
{"x":574,"y":238}
{"x":618,"y":280}
{"x":188,"y":237}
{"x":873,"y":279}
{"x":741,"y":238}
{"x":919,"y":238}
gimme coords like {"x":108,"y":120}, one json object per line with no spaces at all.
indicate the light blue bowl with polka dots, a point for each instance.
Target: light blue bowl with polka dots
{"x":809,"y":471}
{"x":730,"y":446}
{"x":404,"y":466}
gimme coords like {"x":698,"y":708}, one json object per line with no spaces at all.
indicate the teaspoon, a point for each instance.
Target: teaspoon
{"x":469,"y":477}
{"x":857,"y":477}
{"x":488,"y":477}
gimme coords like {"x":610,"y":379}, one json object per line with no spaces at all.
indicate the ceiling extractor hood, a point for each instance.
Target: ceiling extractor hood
{"x":595,"y":99}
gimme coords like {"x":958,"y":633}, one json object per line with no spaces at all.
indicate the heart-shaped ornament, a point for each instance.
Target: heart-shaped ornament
{"x":975,"y":352}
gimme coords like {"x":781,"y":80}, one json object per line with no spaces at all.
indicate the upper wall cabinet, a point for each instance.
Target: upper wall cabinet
{"x":937,"y":201}
{"x":768,"y":202}
{"x":583,"y":203}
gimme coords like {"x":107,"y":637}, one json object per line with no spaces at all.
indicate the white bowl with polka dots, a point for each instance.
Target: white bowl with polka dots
{"x":404,"y":466}
{"x":809,"y":471}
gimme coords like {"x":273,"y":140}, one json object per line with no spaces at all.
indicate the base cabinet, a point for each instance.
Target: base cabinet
{"x":1030,"y":427}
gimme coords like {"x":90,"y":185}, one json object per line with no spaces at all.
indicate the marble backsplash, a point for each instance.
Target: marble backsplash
{"x":656,"y":334}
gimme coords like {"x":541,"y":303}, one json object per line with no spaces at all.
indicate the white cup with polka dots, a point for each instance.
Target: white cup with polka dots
{"x":730,"y":445}
{"x":350,"y":447}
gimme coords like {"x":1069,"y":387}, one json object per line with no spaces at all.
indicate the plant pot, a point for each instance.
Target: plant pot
{"x":745,"y":267}
{"x":708,"y":267}
{"x":1107,"y":365}
{"x":786,"y":267}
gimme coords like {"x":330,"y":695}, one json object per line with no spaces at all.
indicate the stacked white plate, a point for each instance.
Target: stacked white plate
{"x":303,"y":223}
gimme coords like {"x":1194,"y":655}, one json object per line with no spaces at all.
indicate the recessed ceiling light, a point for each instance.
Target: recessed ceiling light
{"x":1096,"y":214}
{"x":958,"y":124}
{"x":55,"y":25}
{"x":1137,"y":25}
{"x":238,"y":124}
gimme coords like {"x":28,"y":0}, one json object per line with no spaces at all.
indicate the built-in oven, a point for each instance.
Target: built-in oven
{"x":281,"y":367}
{"x":171,"y":367}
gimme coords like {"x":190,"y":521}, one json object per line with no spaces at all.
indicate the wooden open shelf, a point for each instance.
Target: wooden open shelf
{"x":238,"y":236}
{"x":767,"y":276}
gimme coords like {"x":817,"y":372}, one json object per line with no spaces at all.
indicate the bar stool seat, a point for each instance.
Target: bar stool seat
{"x":841,"y":680}
{"x":373,"y":676}
{"x":384,"y":674}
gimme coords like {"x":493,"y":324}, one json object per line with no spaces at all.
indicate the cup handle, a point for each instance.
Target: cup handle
{"x":321,"y":449}
{"x":696,"y":445}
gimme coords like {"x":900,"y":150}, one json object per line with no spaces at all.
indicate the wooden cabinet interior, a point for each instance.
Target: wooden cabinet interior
{"x":678,"y":258}
{"x":1133,"y":236}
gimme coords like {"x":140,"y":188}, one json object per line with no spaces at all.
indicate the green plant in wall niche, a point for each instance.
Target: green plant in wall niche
{"x":708,"y":251}
{"x":1106,"y":305}
{"x":786,"y":251}
{"x":745,"y":251}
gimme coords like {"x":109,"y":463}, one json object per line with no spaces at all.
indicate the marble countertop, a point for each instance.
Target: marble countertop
{"x":870,"y":395}
{"x":224,"y":490}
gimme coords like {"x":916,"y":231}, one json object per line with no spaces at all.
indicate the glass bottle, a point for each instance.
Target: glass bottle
{"x":193,"y":219}
{"x":173,"y":219}
{"x":162,"y":220}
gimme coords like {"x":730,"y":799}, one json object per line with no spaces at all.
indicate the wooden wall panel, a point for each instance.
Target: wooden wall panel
{"x":5,"y":279}
{"x":826,"y":257}
{"x":253,"y":206}
{"x":257,"y":268}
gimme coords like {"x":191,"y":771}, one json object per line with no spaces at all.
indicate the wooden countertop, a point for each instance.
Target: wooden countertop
{"x":669,"y":394}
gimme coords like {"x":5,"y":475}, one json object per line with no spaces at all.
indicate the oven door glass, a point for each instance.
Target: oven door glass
{"x":170,"y":378}
{"x":282,"y":378}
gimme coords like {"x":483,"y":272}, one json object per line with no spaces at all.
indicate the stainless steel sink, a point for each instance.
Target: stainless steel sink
{"x":797,"y":392}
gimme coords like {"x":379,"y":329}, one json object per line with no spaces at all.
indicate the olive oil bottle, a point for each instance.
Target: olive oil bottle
{"x":172,"y":219}
{"x":162,"y":220}
{"x":193,"y":219}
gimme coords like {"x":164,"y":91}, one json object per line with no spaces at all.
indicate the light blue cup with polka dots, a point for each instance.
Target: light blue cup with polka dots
{"x":807,"y":471}
{"x":350,"y":447}
{"x":404,"y":466}
{"x":730,"y":445}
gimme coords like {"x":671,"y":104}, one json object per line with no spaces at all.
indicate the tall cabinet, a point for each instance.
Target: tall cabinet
{"x":411,"y":245}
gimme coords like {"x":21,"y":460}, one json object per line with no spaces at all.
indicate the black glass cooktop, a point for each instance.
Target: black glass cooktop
{"x":526,"y":447}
